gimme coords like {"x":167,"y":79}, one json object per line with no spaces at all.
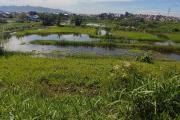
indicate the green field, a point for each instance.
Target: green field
{"x":135,"y":35}
{"x":13,"y":26}
{"x":174,"y":37}
{"x":50,"y":30}
{"x":87,"y":88}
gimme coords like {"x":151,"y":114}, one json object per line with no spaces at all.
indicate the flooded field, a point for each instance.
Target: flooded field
{"x":14,"y":43}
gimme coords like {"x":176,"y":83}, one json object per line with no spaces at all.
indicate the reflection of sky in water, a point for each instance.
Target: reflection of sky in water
{"x":77,"y":37}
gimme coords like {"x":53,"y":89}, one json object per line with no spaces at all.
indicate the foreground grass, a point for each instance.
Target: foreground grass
{"x":175,"y":49}
{"x":50,"y":30}
{"x":87,"y":88}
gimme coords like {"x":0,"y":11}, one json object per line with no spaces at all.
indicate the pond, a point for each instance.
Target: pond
{"x":68,"y":37}
{"x":21,"y":44}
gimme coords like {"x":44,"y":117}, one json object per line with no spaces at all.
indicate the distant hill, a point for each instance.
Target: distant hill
{"x":29,"y":8}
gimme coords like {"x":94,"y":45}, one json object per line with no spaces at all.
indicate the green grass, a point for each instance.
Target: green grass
{"x":175,"y":49}
{"x":13,"y":26}
{"x":87,"y":88}
{"x":135,"y":35}
{"x":173,"y":36}
{"x":165,"y":27}
{"x":72,"y":43}
{"x":79,"y":30}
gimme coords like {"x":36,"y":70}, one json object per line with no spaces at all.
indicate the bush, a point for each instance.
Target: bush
{"x":125,"y":76}
{"x":1,"y":51}
{"x":150,"y":97}
{"x":146,"y":58}
{"x":175,"y":30}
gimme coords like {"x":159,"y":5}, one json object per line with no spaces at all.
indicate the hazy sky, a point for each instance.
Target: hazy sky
{"x":98,"y":6}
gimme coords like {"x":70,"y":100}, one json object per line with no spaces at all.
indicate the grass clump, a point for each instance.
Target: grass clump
{"x":146,"y":58}
{"x":150,"y":96}
{"x":158,"y":100}
{"x":72,"y":43}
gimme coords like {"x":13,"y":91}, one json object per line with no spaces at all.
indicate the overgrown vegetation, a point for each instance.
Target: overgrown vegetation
{"x":146,"y":58}
{"x":72,"y":88}
{"x":91,"y":86}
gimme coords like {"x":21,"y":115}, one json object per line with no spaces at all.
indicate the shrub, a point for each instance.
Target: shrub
{"x":146,"y":58}
{"x":125,"y":76}
{"x":1,"y":51}
{"x":175,"y":30}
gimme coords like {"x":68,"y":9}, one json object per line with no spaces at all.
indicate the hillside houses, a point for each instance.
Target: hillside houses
{"x":146,"y":17}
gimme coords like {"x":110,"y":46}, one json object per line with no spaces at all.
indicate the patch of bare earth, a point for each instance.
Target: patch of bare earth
{"x":70,"y":89}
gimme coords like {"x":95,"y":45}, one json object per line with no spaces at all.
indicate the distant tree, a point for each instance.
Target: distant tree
{"x":59,"y":19}
{"x":3,"y":21}
{"x":176,"y":30}
{"x":48,"y":19}
{"x":22,"y":17}
{"x":32,"y":13}
{"x":77,"y":20}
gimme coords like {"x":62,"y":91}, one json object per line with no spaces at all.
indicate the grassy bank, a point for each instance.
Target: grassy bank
{"x":174,"y":37}
{"x":135,"y":36}
{"x":79,"y":30}
{"x":13,"y":26}
{"x":141,"y":36}
{"x":87,"y":88}
{"x":72,"y":43}
{"x":175,"y":49}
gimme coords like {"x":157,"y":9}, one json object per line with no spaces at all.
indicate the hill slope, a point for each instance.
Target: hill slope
{"x":29,"y":8}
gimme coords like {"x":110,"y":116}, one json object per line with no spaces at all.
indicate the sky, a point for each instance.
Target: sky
{"x":100,"y":6}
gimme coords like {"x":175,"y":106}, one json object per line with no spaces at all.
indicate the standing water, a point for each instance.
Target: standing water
{"x":22,"y":44}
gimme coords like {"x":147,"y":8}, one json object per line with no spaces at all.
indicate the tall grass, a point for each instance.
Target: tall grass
{"x":87,"y":88}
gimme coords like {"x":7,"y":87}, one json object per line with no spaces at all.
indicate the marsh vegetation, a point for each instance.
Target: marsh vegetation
{"x":89,"y":70}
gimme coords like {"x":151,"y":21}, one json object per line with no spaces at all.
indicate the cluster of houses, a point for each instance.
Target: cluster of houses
{"x":137,"y":16}
{"x":30,"y":16}
{"x":157,"y":17}
{"x":33,"y":16}
{"x":5,"y":14}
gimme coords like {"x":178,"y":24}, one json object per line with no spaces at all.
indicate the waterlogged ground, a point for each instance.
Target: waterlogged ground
{"x":22,"y":44}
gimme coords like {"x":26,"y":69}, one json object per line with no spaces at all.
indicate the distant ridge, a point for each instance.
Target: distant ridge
{"x":30,"y":8}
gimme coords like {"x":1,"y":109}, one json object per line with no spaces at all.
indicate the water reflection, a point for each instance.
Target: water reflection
{"x":69,"y":37}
